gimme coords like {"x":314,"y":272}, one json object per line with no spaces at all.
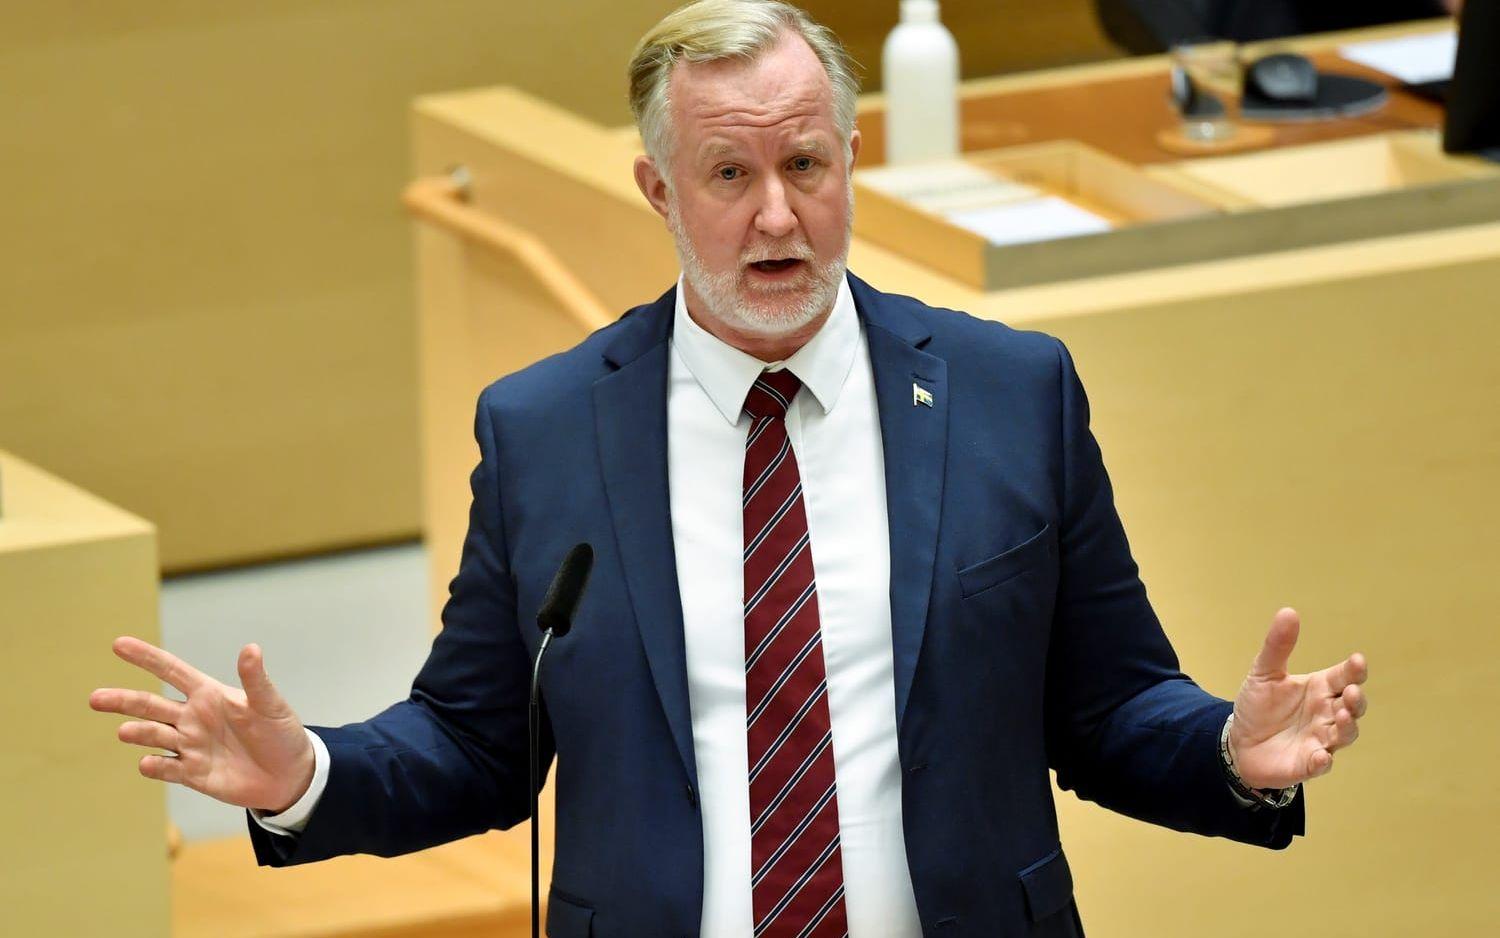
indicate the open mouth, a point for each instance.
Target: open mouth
{"x":776,"y":266}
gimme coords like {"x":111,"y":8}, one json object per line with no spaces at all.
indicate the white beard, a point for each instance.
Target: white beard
{"x":770,"y":309}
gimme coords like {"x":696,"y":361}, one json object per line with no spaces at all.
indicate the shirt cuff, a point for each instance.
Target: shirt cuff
{"x":291,"y":822}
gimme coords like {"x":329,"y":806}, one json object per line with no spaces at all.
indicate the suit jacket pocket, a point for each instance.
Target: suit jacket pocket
{"x":1048,"y":884}
{"x":567,"y":918}
{"x":1008,"y":564}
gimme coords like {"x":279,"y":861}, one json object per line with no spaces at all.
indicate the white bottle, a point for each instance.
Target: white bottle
{"x":920,"y":69}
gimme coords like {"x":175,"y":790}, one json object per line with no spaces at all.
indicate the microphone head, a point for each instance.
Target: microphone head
{"x":566,"y":590}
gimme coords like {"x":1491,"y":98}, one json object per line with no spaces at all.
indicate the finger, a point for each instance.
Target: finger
{"x":1355,"y":701}
{"x":1280,"y":640}
{"x":155,"y":735}
{"x":160,"y":662}
{"x":1319,"y":763}
{"x":136,"y":703}
{"x":260,"y":693}
{"x":1352,"y":670}
{"x":1345,"y":731}
{"x":162,"y":768}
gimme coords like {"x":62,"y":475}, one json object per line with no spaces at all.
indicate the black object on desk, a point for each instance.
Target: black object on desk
{"x":1288,"y":87}
{"x":1473,"y":120}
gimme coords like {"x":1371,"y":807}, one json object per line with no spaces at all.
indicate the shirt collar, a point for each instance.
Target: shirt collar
{"x":725,"y":373}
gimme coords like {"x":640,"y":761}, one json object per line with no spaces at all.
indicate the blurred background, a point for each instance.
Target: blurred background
{"x":207,"y":273}
{"x":214,"y":312}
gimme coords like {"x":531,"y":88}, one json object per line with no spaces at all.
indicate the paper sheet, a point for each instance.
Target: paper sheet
{"x":1411,"y":59}
{"x":1040,"y":219}
{"x":942,"y":186}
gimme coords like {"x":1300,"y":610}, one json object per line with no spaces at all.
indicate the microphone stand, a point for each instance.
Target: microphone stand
{"x":533,"y":731}
{"x":554,"y":618}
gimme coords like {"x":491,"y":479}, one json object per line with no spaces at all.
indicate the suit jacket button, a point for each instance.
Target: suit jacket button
{"x":692,"y":797}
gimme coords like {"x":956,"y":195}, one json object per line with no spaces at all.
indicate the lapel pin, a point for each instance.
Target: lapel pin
{"x":920,"y":395}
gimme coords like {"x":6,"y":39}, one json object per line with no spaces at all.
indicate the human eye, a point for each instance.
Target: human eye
{"x":728,"y":173}
{"x":803,"y":164}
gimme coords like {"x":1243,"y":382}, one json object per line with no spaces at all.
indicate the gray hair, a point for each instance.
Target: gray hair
{"x":714,"y":30}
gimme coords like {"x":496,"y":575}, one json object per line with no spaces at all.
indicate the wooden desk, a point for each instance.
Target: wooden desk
{"x":1312,"y":427}
{"x":473,"y":888}
{"x":1120,"y":106}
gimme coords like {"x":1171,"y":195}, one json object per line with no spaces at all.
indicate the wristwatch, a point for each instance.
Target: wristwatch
{"x":1247,"y":796}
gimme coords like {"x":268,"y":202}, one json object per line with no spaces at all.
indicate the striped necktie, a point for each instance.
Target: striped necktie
{"x":797,"y":878}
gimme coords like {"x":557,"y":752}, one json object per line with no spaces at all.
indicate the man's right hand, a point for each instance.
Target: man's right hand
{"x":244,"y":747}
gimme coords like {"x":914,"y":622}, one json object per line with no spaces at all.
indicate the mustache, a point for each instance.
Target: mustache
{"x":800,"y":252}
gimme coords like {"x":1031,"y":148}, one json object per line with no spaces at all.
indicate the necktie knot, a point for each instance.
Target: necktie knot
{"x":772,"y":394}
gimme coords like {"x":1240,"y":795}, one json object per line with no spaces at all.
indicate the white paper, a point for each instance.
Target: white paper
{"x":942,"y":186}
{"x":1040,"y":219}
{"x":1411,"y":59}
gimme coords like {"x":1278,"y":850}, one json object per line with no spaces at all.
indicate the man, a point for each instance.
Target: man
{"x":859,"y":582}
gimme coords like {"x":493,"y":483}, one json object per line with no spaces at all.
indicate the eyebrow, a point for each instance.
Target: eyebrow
{"x":716,"y":150}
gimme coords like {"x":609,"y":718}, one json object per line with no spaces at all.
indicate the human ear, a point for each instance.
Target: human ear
{"x":649,"y":180}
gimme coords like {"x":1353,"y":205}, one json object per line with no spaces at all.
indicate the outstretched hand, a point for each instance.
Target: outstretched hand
{"x":244,"y":747}
{"x":1288,"y":726}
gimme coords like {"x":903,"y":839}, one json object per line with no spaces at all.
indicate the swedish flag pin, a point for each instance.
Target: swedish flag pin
{"x":920,"y":395}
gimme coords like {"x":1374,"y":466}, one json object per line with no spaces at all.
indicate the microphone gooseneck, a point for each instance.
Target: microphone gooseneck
{"x":555,"y":619}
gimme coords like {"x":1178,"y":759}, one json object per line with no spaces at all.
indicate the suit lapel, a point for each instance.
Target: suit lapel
{"x":630,"y":404}
{"x":914,"y":438}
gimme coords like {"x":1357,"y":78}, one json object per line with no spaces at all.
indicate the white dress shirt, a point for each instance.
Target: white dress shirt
{"x":835,"y":434}
{"x":834,"y":428}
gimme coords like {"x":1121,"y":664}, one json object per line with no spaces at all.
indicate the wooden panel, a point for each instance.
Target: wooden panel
{"x":205,"y":288}
{"x":85,"y":834}
{"x":483,"y":315}
{"x":475,"y":887}
{"x":1333,"y":446}
{"x":1339,"y":169}
{"x":993,"y":38}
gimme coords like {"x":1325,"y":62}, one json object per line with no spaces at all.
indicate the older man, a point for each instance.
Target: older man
{"x":860,"y":582}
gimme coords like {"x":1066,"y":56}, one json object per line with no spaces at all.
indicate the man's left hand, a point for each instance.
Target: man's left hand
{"x":1288,"y":726}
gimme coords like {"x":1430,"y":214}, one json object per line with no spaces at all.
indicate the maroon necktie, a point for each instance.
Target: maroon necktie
{"x":796,"y":871}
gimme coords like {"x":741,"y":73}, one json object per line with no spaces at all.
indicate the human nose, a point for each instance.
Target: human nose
{"x":775,"y":218}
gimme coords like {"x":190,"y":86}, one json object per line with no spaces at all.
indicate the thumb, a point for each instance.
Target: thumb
{"x":260,"y":693}
{"x":1280,"y":640}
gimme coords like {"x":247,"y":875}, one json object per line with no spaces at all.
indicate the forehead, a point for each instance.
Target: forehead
{"x":785,"y":93}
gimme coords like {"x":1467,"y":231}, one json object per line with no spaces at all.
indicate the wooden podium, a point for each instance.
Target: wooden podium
{"x":85,"y":834}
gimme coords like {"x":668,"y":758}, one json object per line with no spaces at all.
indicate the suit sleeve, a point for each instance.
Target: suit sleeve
{"x":451,"y":760}
{"x":1125,"y":727}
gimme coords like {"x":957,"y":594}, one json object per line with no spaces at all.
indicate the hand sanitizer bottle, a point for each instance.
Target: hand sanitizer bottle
{"x":920,"y":68}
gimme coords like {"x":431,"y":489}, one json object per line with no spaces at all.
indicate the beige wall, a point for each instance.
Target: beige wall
{"x":205,"y":285}
{"x":206,"y":307}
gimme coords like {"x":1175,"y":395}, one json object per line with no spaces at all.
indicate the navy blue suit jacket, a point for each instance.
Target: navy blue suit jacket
{"x":1022,"y":635}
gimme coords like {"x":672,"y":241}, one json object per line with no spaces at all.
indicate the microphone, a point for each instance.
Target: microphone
{"x":555,"y":619}
{"x":556,"y":614}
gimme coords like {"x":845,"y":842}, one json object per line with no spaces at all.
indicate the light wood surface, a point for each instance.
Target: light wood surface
{"x":467,"y":889}
{"x":206,"y":308}
{"x":1130,"y":199}
{"x":84,"y":836}
{"x":498,"y":300}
